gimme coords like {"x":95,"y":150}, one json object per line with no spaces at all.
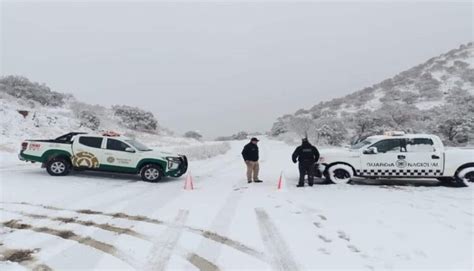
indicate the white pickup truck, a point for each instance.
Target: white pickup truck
{"x":399,"y":155}
{"x":106,"y":152}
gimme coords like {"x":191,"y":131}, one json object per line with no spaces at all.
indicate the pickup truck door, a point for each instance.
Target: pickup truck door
{"x":86,"y":152}
{"x":382,"y":162}
{"x":422,"y":159}
{"x":119,"y":156}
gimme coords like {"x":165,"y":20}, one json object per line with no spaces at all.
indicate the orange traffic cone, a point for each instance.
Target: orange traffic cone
{"x":281,"y":182}
{"x":188,"y":184}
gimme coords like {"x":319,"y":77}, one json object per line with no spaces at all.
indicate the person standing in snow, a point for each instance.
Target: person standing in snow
{"x":307,"y":155}
{"x":250,"y":155}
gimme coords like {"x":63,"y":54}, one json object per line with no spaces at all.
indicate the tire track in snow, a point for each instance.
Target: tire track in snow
{"x":88,"y":223}
{"x":70,"y":235}
{"x":205,"y":233}
{"x":201,"y":263}
{"x":195,"y":259}
{"x":221,"y":223}
{"x":23,"y":257}
{"x":280,"y":254}
{"x":162,"y":251}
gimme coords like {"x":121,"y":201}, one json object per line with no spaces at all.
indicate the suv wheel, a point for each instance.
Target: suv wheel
{"x":340,"y":173}
{"x":58,"y":167}
{"x":151,"y":173}
{"x":465,"y":177}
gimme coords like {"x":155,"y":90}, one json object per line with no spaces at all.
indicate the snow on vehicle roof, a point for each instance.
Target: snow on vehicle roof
{"x":121,"y":137}
{"x":400,"y":136}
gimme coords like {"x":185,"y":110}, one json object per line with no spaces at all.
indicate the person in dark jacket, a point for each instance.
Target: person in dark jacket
{"x":307,"y":155}
{"x":250,"y":155}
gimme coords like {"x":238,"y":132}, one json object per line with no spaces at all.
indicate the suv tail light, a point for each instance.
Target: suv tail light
{"x":24,"y":145}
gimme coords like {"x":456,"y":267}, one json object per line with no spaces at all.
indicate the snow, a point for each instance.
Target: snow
{"x":120,"y":222}
{"x":375,"y":103}
{"x":428,"y":104}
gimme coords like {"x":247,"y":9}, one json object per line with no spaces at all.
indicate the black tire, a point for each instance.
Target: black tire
{"x":326,"y":178}
{"x":339,"y":173}
{"x":58,"y":166}
{"x":151,"y":173}
{"x":458,"y":182}
{"x":465,"y":177}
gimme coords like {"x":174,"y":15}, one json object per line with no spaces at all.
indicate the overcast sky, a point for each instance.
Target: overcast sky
{"x":223,"y":67}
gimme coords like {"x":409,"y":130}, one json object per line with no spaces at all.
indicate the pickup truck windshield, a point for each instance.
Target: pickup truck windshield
{"x":139,"y":146}
{"x":361,"y":144}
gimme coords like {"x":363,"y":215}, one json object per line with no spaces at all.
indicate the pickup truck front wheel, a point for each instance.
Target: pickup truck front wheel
{"x":58,"y":167}
{"x":339,"y":173}
{"x":465,"y":176}
{"x":151,"y":173}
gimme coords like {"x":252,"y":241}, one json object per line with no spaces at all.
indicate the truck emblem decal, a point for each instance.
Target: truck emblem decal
{"x":85,"y":159}
{"x":110,"y":159}
{"x":401,"y":163}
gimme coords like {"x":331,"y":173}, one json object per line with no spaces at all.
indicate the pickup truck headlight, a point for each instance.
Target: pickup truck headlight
{"x":173,"y":162}
{"x":173,"y":159}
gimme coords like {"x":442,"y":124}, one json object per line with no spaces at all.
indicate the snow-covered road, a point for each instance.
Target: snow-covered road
{"x":93,"y":220}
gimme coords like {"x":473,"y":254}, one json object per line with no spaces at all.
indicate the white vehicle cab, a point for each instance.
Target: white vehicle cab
{"x":399,"y":155}
{"x":103,"y":152}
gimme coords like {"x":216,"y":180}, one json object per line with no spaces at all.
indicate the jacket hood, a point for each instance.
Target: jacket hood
{"x":306,"y":144}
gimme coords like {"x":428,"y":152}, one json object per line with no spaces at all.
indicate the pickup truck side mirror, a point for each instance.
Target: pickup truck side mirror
{"x":371,"y":150}
{"x":129,"y":149}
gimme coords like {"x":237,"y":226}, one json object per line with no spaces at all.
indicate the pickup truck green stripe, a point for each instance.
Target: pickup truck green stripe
{"x":52,"y":153}
{"x":46,"y":155}
{"x":118,"y":169}
{"x":162,"y":163}
{"x":33,"y":158}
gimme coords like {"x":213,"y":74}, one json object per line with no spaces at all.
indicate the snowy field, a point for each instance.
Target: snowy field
{"x":101,"y":221}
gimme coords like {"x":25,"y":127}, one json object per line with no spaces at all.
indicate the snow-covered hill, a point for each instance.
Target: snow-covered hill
{"x":423,"y":98}
{"x":33,"y":110}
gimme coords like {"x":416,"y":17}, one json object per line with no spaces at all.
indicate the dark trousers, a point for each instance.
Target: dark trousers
{"x":306,"y":168}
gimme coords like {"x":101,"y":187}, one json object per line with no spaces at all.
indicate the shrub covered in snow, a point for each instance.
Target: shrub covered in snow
{"x":89,"y":120}
{"x":454,"y":121}
{"x":193,"y":134}
{"x":239,"y":136}
{"x":204,"y":151}
{"x":22,"y":88}
{"x":136,"y":118}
